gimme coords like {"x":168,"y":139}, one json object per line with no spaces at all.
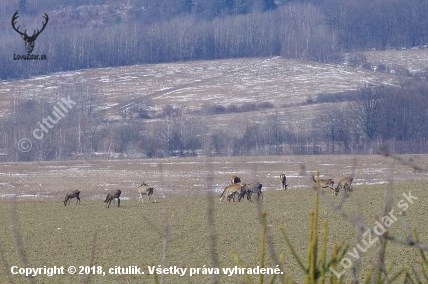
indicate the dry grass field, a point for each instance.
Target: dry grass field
{"x":178,"y":229}
{"x":186,"y":225}
{"x":189,"y":86}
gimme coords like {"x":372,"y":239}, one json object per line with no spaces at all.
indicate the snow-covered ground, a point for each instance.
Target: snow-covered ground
{"x":193,"y":84}
{"x":198,"y":175}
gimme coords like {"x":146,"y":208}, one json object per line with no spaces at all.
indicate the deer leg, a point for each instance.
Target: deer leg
{"x":118,"y":202}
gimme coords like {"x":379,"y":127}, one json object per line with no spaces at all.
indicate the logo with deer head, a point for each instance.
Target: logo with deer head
{"x":29,"y":40}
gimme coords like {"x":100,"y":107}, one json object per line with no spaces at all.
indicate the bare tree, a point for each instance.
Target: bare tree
{"x":366,"y":110}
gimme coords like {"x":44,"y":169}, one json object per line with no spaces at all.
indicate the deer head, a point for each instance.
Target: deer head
{"x":29,"y":40}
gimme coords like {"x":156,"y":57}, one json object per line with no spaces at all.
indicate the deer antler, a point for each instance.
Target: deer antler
{"x":14,"y":19}
{"x":35,"y":33}
{"x":44,"y":25}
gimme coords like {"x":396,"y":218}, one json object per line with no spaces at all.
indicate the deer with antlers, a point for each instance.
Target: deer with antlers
{"x":29,"y":40}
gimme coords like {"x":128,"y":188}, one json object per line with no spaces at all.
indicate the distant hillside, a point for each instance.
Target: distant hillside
{"x":221,"y":107}
{"x":107,"y":33}
{"x":193,"y":86}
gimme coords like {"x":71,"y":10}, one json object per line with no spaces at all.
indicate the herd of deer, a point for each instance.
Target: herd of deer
{"x":143,"y":189}
{"x":240,"y":189}
{"x":343,"y":182}
{"x":236,"y":189}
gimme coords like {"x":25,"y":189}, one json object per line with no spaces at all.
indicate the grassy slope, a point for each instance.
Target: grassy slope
{"x":191,"y":84}
{"x":132,"y":235}
{"x":285,"y":83}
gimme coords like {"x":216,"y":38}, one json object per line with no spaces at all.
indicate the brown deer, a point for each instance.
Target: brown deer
{"x":70,"y":195}
{"x":345,"y":183}
{"x":249,"y":190}
{"x":29,"y":40}
{"x":283,"y":179}
{"x":144,"y":189}
{"x":231,"y":191}
{"x":112,"y":195}
{"x":324,"y":183}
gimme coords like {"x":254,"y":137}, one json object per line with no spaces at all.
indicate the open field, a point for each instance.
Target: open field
{"x":199,"y":174}
{"x":193,"y":85}
{"x":38,"y":230}
{"x":285,"y":85}
{"x":177,"y":229}
{"x":250,"y":91}
{"x":413,"y":60}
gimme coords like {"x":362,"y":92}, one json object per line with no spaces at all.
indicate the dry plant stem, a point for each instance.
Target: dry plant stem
{"x":211,"y":222}
{"x":313,"y":245}
{"x":165,"y":244}
{"x":4,"y":263}
{"x":262,"y":217}
{"x":93,"y":250}
{"x":262,"y":244}
{"x":385,"y":152}
{"x":18,"y":239}
{"x":323,"y":257}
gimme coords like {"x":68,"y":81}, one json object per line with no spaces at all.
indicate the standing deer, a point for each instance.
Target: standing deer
{"x":249,"y":190}
{"x":112,"y":195}
{"x":231,"y":191}
{"x":144,"y":189}
{"x":70,"y":195}
{"x":345,"y":183}
{"x":29,"y":40}
{"x":283,"y":179}
{"x":324,"y":183}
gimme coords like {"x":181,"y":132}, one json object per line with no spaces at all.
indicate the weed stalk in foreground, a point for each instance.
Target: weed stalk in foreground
{"x":318,"y":267}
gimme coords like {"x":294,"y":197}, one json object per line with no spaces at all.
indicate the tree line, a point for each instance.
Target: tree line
{"x":395,"y":117}
{"x":148,"y":31}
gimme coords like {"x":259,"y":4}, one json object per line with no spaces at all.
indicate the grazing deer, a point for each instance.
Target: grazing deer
{"x":230,"y":191}
{"x":249,"y":190}
{"x":144,"y":189}
{"x":283,"y":179}
{"x":112,"y":195}
{"x":345,"y":183}
{"x":29,"y":40}
{"x":70,"y":195}
{"x":235,"y":179}
{"x":324,"y":183}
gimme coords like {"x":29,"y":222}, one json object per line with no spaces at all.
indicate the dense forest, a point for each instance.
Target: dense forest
{"x":100,"y":33}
